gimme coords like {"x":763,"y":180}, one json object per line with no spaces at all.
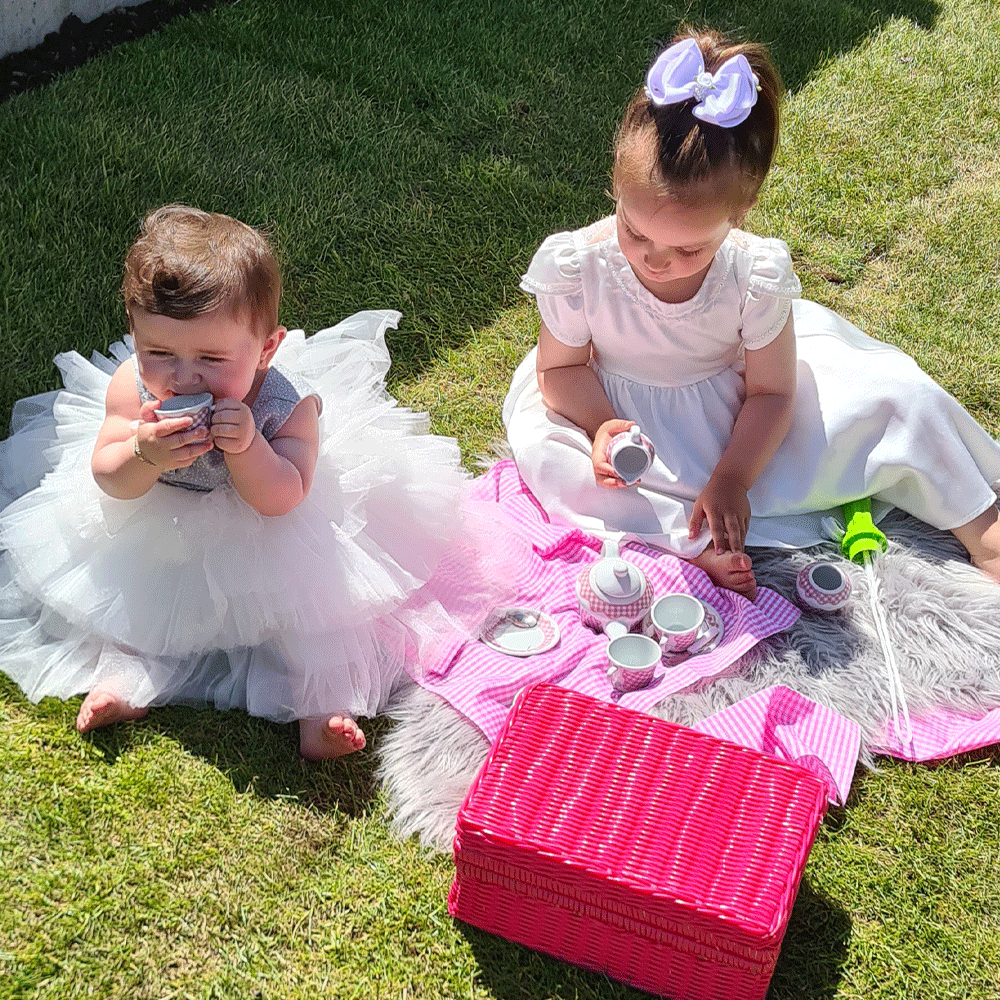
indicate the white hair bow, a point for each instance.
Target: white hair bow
{"x":724,"y":97}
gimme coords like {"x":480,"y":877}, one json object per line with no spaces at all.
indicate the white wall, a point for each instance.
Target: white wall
{"x":24,"y":23}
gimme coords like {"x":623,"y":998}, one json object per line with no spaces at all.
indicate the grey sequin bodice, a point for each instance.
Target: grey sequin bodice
{"x":279,"y":394}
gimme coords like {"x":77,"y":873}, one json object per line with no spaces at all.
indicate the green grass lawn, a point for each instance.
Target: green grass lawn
{"x":413,"y":156}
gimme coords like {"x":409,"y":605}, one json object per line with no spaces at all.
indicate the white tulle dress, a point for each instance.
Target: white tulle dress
{"x":868,"y":422}
{"x":188,"y":596}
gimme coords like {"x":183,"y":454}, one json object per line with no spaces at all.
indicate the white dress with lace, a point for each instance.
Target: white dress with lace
{"x":192,"y":596}
{"x":868,"y":421}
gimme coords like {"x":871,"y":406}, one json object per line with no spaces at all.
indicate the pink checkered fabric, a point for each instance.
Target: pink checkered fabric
{"x":482,"y":683}
{"x":789,"y":726}
{"x":939,"y":734}
{"x":627,"y":612}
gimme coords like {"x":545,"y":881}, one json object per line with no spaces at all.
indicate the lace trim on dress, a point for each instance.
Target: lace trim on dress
{"x":767,"y":267}
{"x":623,"y":275}
{"x":558,"y":253}
{"x":765,"y":337}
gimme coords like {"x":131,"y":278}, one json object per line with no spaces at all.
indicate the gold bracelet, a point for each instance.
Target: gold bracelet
{"x":137,"y":451}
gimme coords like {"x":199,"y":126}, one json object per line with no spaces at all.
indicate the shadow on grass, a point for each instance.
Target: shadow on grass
{"x":814,"y":950}
{"x":411,"y":156}
{"x":540,"y":161}
{"x":982,"y":756}
{"x":985,"y":756}
{"x":812,"y":954}
{"x":803,"y":36}
{"x":257,"y":756}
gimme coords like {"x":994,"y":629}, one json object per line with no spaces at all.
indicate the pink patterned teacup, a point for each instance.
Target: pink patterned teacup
{"x":632,"y":659}
{"x":198,"y":406}
{"x":631,"y":454}
{"x":677,"y":621}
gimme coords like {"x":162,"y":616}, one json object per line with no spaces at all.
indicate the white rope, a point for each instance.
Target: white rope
{"x":897,"y":697}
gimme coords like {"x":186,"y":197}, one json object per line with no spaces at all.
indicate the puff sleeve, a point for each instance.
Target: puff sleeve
{"x":769,"y":285}
{"x":554,"y":278}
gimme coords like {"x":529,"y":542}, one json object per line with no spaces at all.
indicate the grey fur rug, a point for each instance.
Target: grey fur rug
{"x":944,"y":620}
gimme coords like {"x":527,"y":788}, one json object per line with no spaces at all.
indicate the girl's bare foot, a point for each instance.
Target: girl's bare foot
{"x":981,"y":536}
{"x":323,"y":739}
{"x":731,"y":570}
{"x":102,"y":707}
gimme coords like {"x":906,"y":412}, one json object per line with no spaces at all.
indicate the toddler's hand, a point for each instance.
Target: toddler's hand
{"x":726,"y":507}
{"x":170,"y":443}
{"x":233,"y":428}
{"x":604,"y":471}
{"x":147,"y":412}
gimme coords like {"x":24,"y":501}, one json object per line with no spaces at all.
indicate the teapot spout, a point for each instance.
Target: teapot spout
{"x":610,"y":548}
{"x":615,"y":629}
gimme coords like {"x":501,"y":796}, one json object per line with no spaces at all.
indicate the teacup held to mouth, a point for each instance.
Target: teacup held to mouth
{"x":199,"y":407}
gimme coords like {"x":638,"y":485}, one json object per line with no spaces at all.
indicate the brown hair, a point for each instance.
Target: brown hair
{"x":673,"y":151}
{"x":186,"y":263}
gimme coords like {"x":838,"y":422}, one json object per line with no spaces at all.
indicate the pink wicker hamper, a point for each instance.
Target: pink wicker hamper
{"x":660,"y":856}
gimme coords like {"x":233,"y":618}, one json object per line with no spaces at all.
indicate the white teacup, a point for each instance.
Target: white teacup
{"x":632,"y":658}
{"x":631,"y":454}
{"x":199,"y":407}
{"x":677,"y":621}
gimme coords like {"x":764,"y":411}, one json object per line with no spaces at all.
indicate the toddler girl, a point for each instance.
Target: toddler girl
{"x":765,"y":411}
{"x":287,"y":559}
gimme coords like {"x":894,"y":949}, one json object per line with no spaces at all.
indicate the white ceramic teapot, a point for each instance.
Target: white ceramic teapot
{"x":613,"y":593}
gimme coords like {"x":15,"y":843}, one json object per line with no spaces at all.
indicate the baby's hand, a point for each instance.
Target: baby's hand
{"x":233,"y":427}
{"x":170,"y":443}
{"x":726,"y":507}
{"x":604,"y":471}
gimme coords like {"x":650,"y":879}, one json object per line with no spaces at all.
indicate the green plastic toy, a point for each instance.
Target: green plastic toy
{"x":861,"y":537}
{"x":859,"y":543}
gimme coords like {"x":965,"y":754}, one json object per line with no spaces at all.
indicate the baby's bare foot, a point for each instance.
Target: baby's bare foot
{"x":990,"y":565}
{"x":102,"y":708}
{"x":731,"y":570}
{"x":981,"y":536}
{"x":323,"y":739}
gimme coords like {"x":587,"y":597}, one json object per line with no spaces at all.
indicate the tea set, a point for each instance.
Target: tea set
{"x":615,"y":597}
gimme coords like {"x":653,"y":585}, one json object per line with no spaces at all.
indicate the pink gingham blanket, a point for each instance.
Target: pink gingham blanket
{"x":939,"y":734}
{"x":481,"y":682}
{"x":792,"y":727}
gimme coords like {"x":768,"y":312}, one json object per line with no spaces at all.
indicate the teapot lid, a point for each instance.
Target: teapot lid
{"x":617,"y":581}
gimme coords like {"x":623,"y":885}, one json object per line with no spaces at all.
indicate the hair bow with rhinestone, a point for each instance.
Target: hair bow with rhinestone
{"x":724,"y":97}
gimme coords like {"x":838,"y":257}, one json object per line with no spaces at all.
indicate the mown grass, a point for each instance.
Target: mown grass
{"x":413,"y":156}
